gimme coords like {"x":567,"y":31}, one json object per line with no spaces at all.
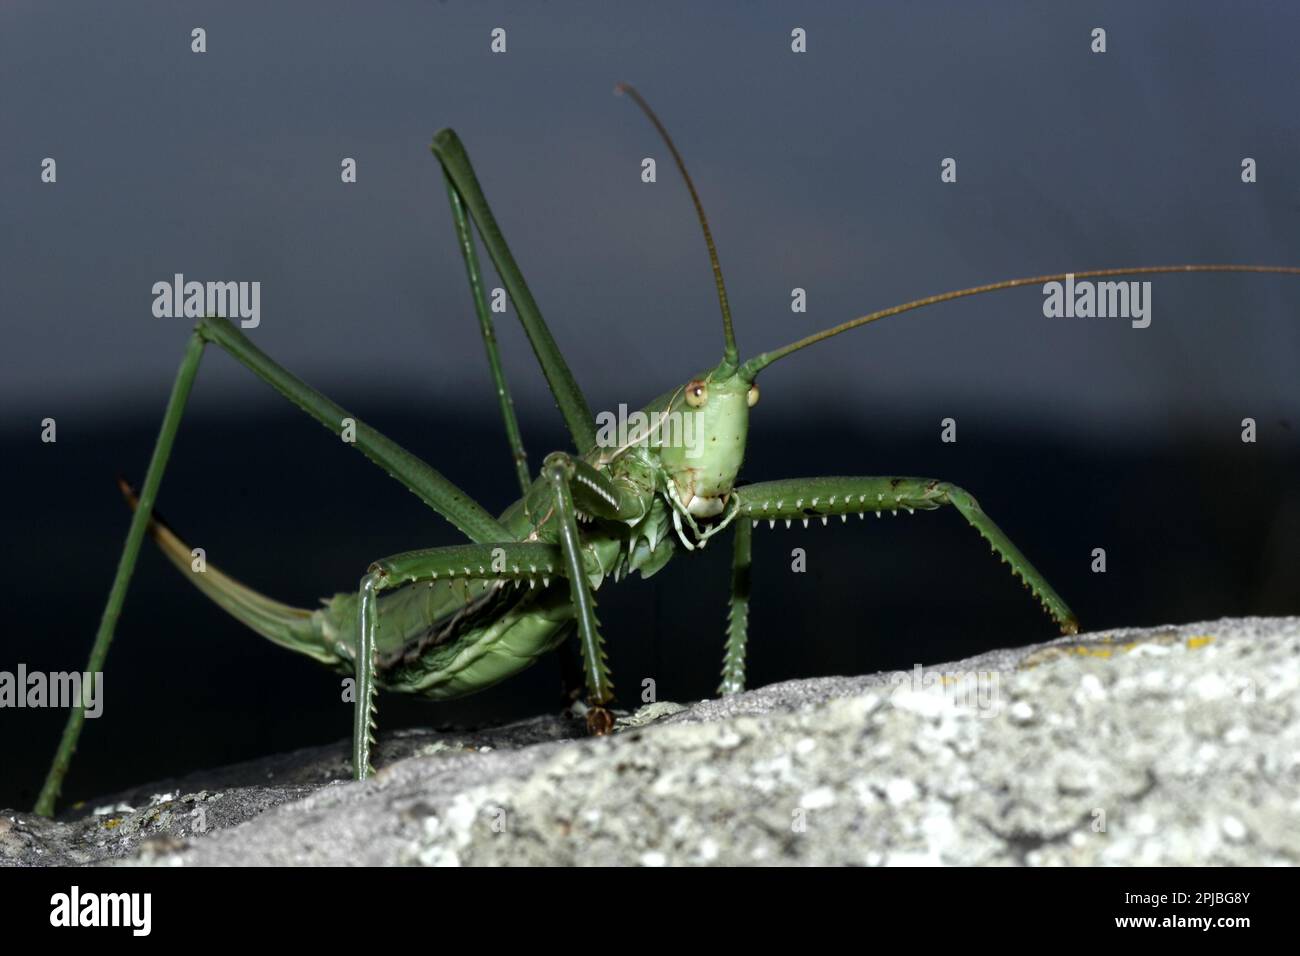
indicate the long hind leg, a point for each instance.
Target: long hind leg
{"x":564,"y":387}
{"x":421,"y":479}
{"x":465,"y":238}
{"x":125,"y":565}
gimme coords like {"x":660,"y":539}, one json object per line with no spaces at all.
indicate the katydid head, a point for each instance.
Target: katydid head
{"x":703,"y":444}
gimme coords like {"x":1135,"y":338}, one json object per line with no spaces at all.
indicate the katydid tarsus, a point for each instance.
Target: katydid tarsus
{"x":445,"y":622}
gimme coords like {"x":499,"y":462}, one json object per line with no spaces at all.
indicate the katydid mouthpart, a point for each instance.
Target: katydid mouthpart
{"x":445,"y":622}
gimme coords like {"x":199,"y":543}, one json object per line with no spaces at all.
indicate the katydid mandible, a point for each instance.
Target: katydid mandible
{"x":445,"y":622}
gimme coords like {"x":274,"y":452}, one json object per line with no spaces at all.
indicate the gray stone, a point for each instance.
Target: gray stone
{"x":1162,"y":746}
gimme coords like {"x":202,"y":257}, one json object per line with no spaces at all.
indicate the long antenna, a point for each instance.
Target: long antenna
{"x":730,"y":353}
{"x":760,"y":362}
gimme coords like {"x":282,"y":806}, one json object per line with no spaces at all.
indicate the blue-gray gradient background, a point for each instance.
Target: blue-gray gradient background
{"x":818,"y":170}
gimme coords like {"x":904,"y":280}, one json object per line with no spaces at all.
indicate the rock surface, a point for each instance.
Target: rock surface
{"x":1172,"y":745}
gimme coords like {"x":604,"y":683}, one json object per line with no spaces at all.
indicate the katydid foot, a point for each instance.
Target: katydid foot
{"x":600,"y":722}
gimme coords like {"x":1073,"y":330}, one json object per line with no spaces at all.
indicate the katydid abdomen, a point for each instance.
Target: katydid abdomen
{"x":437,"y":639}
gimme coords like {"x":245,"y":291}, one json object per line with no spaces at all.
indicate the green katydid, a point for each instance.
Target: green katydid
{"x":446,"y":622}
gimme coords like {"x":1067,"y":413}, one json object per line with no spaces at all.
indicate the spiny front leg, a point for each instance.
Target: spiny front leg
{"x":560,"y":471}
{"x":363,"y":704}
{"x":733,"y":662}
{"x":803,"y":499}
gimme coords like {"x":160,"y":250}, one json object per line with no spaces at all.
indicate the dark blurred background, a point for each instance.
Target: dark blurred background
{"x":818,"y":170}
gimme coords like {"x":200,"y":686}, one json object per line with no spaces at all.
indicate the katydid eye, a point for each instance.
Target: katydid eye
{"x":697,"y":393}
{"x":752,"y":396}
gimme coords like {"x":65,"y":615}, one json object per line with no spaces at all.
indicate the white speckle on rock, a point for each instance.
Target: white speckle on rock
{"x":1022,"y":712}
{"x":1150,"y":649}
{"x":463,"y":813}
{"x":1091,"y":688}
{"x":708,"y":850}
{"x":930,"y":702}
{"x":938,"y":827}
{"x":728,"y":739}
{"x":1236,"y":734}
{"x":1143,"y":824}
{"x":900,"y":790}
{"x":1233,"y":829}
{"x":818,"y":799}
{"x":1209,"y":687}
{"x":112,"y":809}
